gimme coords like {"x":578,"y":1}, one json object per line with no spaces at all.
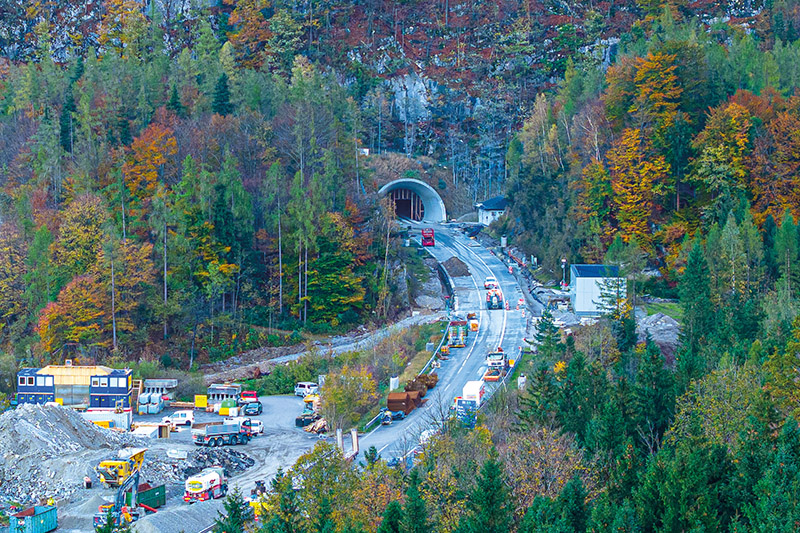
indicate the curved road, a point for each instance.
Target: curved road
{"x":498,"y":328}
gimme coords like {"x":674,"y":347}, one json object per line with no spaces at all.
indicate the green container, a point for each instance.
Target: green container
{"x":38,"y":519}
{"x":153,"y":497}
{"x":229,"y":403}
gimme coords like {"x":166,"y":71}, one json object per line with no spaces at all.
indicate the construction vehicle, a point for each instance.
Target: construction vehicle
{"x":457,"y":334}
{"x":494,"y":299}
{"x":121,"y":511}
{"x":497,"y":365}
{"x":427,"y":237}
{"x":116,"y":472}
{"x":474,"y":324}
{"x":222,"y":434}
{"x":209,"y":483}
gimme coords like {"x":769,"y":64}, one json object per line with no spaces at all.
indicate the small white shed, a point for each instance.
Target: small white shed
{"x":491,"y":209}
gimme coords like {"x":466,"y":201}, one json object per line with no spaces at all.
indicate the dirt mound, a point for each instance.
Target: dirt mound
{"x":456,"y":267}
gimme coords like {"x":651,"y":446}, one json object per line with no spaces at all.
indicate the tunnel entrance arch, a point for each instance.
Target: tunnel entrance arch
{"x":415,"y":200}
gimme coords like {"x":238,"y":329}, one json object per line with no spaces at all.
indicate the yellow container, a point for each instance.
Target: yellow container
{"x":103,"y":423}
{"x":224,"y":411}
{"x":200,"y":401}
{"x":60,"y":401}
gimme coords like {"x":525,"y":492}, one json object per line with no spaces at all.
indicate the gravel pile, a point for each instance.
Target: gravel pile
{"x":456,"y":267}
{"x":158,"y":468}
{"x":44,"y":451}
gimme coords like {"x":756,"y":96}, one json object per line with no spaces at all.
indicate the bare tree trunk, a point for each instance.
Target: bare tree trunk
{"x":305,"y":288}
{"x":165,"y":275}
{"x":280,"y":264}
{"x":113,"y":304}
{"x":300,"y":281}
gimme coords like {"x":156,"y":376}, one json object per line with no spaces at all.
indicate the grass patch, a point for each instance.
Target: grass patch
{"x":671,"y":309}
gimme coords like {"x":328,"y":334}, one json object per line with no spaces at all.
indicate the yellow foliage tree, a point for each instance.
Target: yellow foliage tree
{"x":146,"y":163}
{"x":346,"y":395}
{"x":77,"y":316}
{"x":637,"y":178}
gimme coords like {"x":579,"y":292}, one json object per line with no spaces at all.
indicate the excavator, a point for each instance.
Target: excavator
{"x":120,"y":511}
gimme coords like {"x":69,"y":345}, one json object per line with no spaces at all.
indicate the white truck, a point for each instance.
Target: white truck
{"x":474,"y":391}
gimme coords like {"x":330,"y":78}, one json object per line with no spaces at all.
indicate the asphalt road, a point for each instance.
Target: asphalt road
{"x":498,"y":328}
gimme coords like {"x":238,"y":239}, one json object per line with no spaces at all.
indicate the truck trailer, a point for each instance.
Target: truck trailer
{"x":222,"y":434}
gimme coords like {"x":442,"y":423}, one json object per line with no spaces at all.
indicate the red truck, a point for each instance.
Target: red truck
{"x":427,"y":237}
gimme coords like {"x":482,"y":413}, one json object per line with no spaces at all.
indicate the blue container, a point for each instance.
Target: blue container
{"x":38,"y":519}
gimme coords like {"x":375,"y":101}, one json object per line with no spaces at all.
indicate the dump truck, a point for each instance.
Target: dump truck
{"x":209,"y":483}
{"x":400,"y":401}
{"x":494,"y":299}
{"x":223,"y":434}
{"x":113,"y":473}
{"x":427,"y":237}
{"x":37,"y":519}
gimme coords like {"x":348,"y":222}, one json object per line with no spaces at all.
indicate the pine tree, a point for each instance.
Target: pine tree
{"x":235,"y":516}
{"x":221,"y":104}
{"x":695,"y":293}
{"x":488,"y":507}
{"x":392,"y":516}
{"x":547,"y":335}
{"x":415,"y":516}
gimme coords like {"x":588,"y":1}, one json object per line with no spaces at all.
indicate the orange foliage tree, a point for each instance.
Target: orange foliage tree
{"x":776,"y":180}
{"x":147,"y":163}
{"x":77,"y":316}
{"x":251,"y":31}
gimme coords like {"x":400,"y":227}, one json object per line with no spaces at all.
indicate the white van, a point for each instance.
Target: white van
{"x":304,"y":388}
{"x":180,"y":418}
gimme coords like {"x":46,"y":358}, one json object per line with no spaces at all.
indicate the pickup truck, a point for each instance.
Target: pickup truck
{"x":221,"y":434}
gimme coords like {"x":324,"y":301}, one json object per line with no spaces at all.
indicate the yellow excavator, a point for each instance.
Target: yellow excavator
{"x":114,"y":473}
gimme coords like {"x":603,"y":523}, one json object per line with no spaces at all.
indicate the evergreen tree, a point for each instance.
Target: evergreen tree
{"x":695,"y":293}
{"x":322,"y":522}
{"x":769,"y":232}
{"x":572,"y":505}
{"x":110,"y":527}
{"x":66,"y":122}
{"x":221,"y":104}
{"x":786,"y":253}
{"x":287,"y":517}
{"x":488,"y":507}
{"x":547,"y":335}
{"x":654,"y":395}
{"x":235,"y":516}
{"x":543,"y":517}
{"x":174,"y":104}
{"x":392,"y":516}
{"x":415,"y":516}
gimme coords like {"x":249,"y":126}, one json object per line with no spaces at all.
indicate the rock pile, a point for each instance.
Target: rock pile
{"x":44,"y":451}
{"x":456,"y":267}
{"x":662,"y":330}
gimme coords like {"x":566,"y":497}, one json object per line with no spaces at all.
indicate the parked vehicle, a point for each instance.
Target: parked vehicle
{"x":256,"y":426}
{"x":37,"y":519}
{"x":228,"y":433}
{"x":387,"y":417}
{"x":304,"y":388}
{"x":490,"y":283}
{"x":210,"y":483}
{"x":248,"y":396}
{"x":253,"y":409}
{"x":474,"y":391}
{"x":428,"y":237}
{"x":180,"y":418}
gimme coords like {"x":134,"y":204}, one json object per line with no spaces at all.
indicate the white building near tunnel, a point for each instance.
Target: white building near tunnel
{"x":491,"y":209}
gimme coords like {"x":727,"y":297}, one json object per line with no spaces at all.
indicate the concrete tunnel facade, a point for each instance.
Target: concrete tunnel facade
{"x":406,"y":189}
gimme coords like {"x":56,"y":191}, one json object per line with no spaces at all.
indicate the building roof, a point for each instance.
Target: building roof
{"x":28,"y":372}
{"x":498,"y":203}
{"x":595,"y":271}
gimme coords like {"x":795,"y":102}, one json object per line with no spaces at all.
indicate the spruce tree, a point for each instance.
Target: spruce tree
{"x":392,"y":516}
{"x":221,"y":104}
{"x":786,"y":252}
{"x":66,"y":123}
{"x":654,"y":395}
{"x":174,"y":103}
{"x":488,"y":507}
{"x":235,"y":516}
{"x":322,"y":522}
{"x":572,"y":505}
{"x":415,"y":515}
{"x":547,"y":335}
{"x":695,"y":294}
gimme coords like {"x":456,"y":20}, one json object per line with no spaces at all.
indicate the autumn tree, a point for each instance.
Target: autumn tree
{"x":148,"y":162}
{"x":346,"y":395}
{"x":77,"y":316}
